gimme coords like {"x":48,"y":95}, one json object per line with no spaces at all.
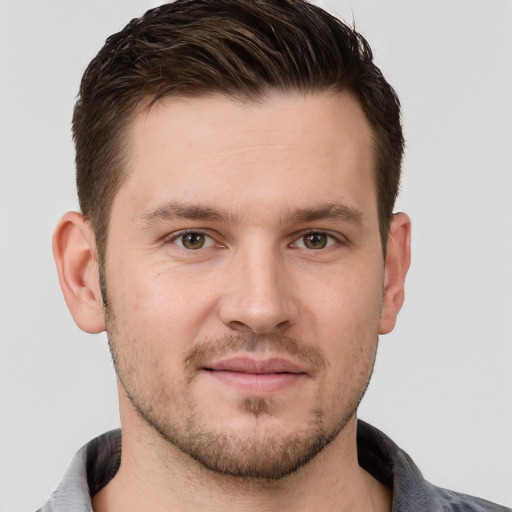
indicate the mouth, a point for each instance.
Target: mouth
{"x":256,"y":377}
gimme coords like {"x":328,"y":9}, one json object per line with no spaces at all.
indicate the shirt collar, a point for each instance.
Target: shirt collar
{"x":96,"y":464}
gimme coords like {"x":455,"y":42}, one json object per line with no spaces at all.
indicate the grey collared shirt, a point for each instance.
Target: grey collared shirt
{"x":97,"y":462}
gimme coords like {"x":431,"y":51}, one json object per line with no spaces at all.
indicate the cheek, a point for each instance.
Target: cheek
{"x":158,"y":307}
{"x":347,"y":299}
{"x":345,"y":321}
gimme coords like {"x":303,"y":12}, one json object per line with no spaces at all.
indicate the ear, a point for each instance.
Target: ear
{"x":74,"y":250}
{"x":398,"y":259}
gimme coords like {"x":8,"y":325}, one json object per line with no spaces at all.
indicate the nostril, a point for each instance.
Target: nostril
{"x":256,"y":313}
{"x":239,"y":326}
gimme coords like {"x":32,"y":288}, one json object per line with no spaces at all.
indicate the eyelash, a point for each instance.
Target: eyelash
{"x":332,"y":240}
{"x":336,"y":239}
{"x":181,"y":234}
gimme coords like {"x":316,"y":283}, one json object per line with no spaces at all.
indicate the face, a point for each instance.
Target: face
{"x":244,"y":276}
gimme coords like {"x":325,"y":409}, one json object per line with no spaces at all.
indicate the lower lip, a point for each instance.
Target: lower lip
{"x":257,"y":383}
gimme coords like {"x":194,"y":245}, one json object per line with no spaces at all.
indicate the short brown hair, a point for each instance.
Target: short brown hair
{"x":238,"y":48}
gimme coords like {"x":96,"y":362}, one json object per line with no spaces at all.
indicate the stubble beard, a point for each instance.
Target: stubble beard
{"x":250,"y":454}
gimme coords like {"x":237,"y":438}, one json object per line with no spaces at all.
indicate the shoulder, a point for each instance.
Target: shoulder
{"x":450,"y":501}
{"x":392,"y":466}
{"x":93,"y":466}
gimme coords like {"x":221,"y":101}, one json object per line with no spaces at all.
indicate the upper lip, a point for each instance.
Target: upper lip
{"x":256,"y":366}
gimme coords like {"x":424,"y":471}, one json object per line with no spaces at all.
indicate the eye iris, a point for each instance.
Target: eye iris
{"x":193,"y":240}
{"x":315,"y":241}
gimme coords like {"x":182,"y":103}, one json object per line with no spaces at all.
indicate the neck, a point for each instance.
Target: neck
{"x":157,"y":476}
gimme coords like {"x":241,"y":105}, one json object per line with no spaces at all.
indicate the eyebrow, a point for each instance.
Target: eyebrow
{"x":330,"y":211}
{"x":181,"y":210}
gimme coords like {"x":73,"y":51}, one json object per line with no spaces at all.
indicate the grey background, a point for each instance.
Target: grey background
{"x":442,"y":388}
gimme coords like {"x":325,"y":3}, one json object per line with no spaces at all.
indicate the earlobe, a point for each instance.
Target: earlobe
{"x":398,"y":259}
{"x":74,"y":250}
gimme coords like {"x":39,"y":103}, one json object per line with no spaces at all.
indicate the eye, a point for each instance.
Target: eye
{"x":315,"y":240}
{"x":193,"y":241}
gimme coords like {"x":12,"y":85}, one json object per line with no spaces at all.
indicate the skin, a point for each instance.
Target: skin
{"x":278,"y":264}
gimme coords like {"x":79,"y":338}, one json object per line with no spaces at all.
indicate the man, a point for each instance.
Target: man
{"x":237,"y":167}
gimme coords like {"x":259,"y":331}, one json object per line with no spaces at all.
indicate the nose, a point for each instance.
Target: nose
{"x":259,"y":293}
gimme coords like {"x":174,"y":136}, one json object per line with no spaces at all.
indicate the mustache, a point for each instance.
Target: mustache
{"x":275,"y":344}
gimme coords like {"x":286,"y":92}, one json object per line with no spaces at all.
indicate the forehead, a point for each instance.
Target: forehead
{"x":283,"y":150}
